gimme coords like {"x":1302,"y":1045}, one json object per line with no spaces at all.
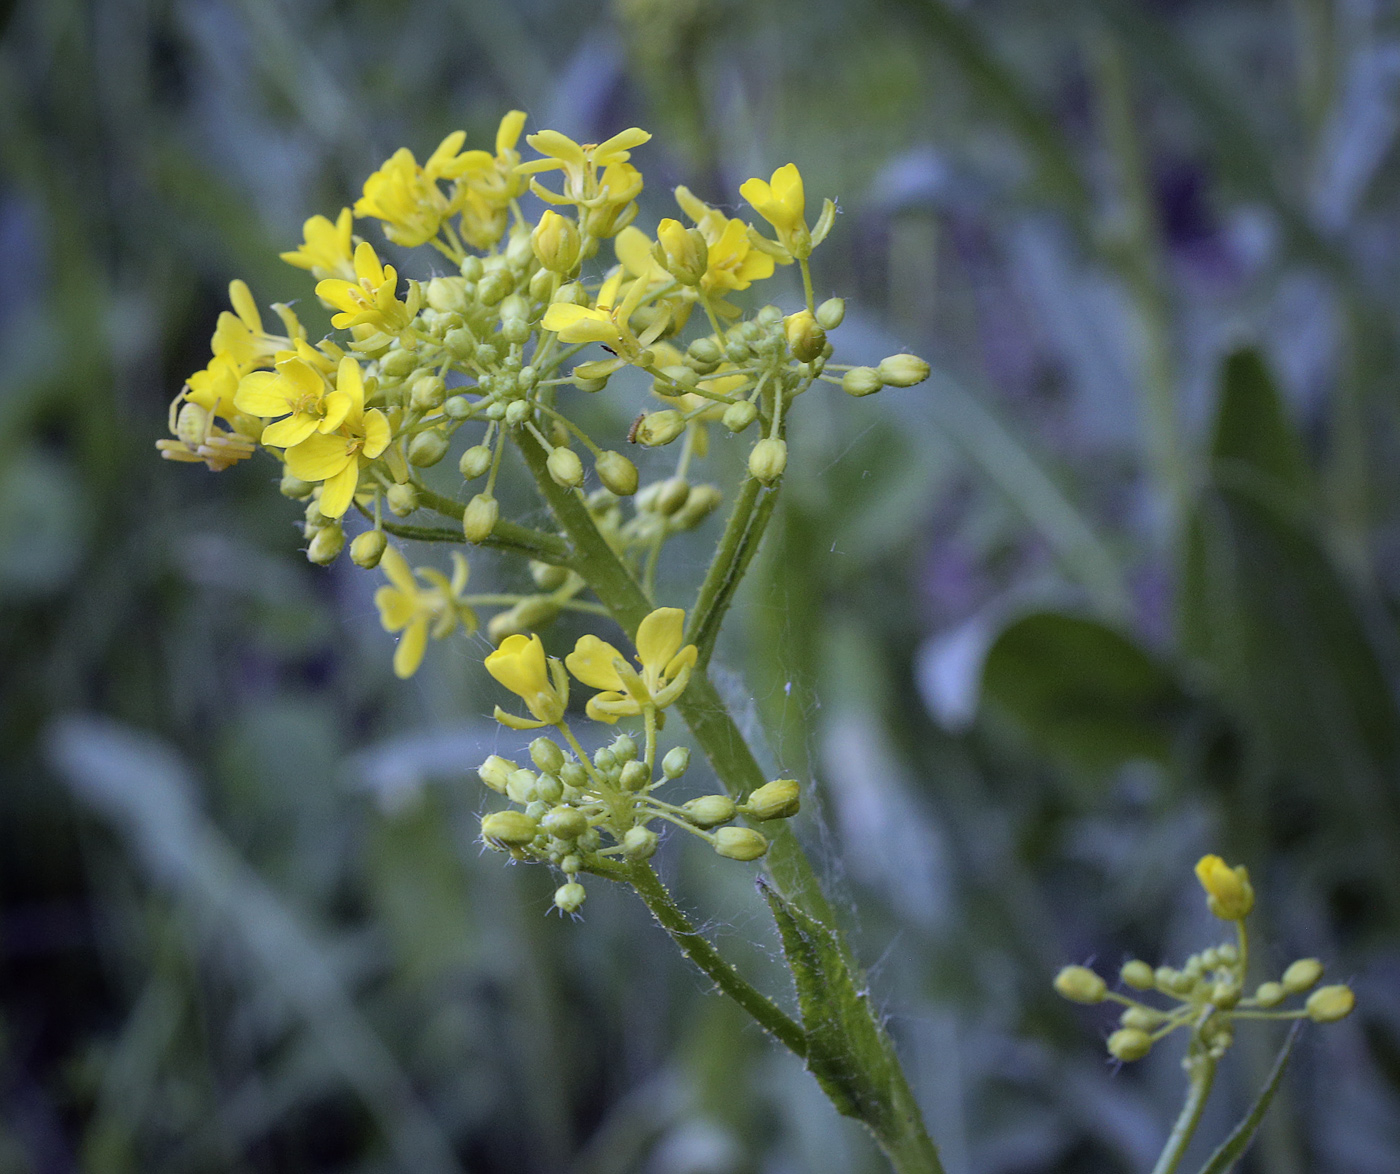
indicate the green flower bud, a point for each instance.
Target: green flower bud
{"x":635,"y":776}
{"x":831,"y":313}
{"x":471,"y":267}
{"x":447,"y":295}
{"x":604,"y":758}
{"x":776,"y":800}
{"x":704,"y":355}
{"x":740,"y":843}
{"x":326,"y":544}
{"x":479,"y":518}
{"x":710,"y":811}
{"x":569,"y":898}
{"x":565,"y":468}
{"x":1137,"y":974}
{"x":429,"y":391}
{"x":1302,"y":975}
{"x":549,"y":789}
{"x":768,"y":459}
{"x":461,"y":342}
{"x":1329,"y":1003}
{"x":427,"y":448}
{"x":671,"y":495}
{"x":1143,"y":1018}
{"x":475,"y":461}
{"x":571,"y":865}
{"x":556,"y":243}
{"x":860,"y":381}
{"x":495,"y":771}
{"x":1079,"y":984}
{"x":398,"y":363}
{"x":295,"y":487}
{"x":457,"y":407}
{"x":903,"y":370}
{"x":520,"y":786}
{"x":402,"y":500}
{"x":658,"y":428}
{"x":367,"y":548}
{"x":517,"y":412}
{"x":699,"y":505}
{"x":508,"y":829}
{"x":624,"y":748}
{"x":617,"y":473}
{"x":529,"y":615}
{"x":804,"y":337}
{"x":739,"y":416}
{"x":676,"y":761}
{"x":639,"y":843}
{"x":573,"y":294}
{"x":1270,"y":994}
{"x":546,"y":755}
{"x":1225,"y":994}
{"x":573,"y":774}
{"x":1129,"y":1043}
{"x":547,"y":576}
{"x":565,"y":823}
{"x":494,"y":286}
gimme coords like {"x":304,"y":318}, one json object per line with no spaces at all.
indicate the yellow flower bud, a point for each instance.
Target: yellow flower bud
{"x":740,"y":843}
{"x":1129,"y":1043}
{"x":1270,"y":994}
{"x":1302,"y":975}
{"x":710,"y":811}
{"x":682,"y":252}
{"x":556,"y":243}
{"x":570,"y":897}
{"x":565,"y":468}
{"x":545,"y":754}
{"x":565,"y":823}
{"x":617,"y":473}
{"x":495,"y":771}
{"x":1330,"y":1003}
{"x":658,"y":428}
{"x":479,"y":518}
{"x":1137,"y":974}
{"x":639,"y":843}
{"x":401,"y":499}
{"x":739,"y":416}
{"x":475,"y":461}
{"x":859,"y":381}
{"x":326,"y":545}
{"x":429,"y":391}
{"x":520,"y":786}
{"x":776,"y":800}
{"x":804,"y":337}
{"x":831,"y":313}
{"x":1079,"y":984}
{"x":508,"y":829}
{"x":903,"y":370}
{"x":768,"y":459}
{"x":367,"y":549}
{"x":1228,"y":891}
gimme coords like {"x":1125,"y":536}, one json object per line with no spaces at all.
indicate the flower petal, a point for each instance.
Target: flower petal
{"x":395,"y":568}
{"x":519,"y":665}
{"x":376,"y":426}
{"x":319,"y":456}
{"x":262,"y":393}
{"x":337,"y":491}
{"x":659,"y":637}
{"x":395,"y":608}
{"x":292,"y":430}
{"x":409,"y":654}
{"x":591,"y":662}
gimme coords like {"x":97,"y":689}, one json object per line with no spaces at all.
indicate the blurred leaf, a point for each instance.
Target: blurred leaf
{"x":43,"y":526}
{"x":1082,"y":692}
{"x":1234,"y":1146}
{"x":1253,"y":435}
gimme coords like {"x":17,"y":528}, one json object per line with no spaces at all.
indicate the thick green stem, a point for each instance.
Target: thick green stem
{"x":697,"y":948}
{"x":1202,"y":1077}
{"x":742,"y":534}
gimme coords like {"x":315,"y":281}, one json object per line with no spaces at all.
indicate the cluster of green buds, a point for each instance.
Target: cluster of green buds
{"x":1208,"y":993}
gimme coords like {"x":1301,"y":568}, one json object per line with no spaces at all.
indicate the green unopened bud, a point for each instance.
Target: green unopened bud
{"x":860,"y":381}
{"x":475,"y":461}
{"x":903,"y":370}
{"x":479,"y":518}
{"x":573,"y":294}
{"x":768,"y":459}
{"x":520,"y":786}
{"x":702,"y":501}
{"x":402,"y":499}
{"x":710,"y":811}
{"x":529,"y":615}
{"x":494,"y":286}
{"x":427,"y":448}
{"x":1225,"y":994}
{"x":1137,"y":974}
{"x":457,"y":407}
{"x":1129,"y":1043}
{"x":617,"y":473}
{"x":682,"y":252}
{"x":547,"y":576}
{"x":429,"y":391}
{"x":658,"y":428}
{"x":461,"y":342}
{"x":569,"y":898}
{"x":676,"y":762}
{"x":565,"y":468}
{"x":1302,"y":975}
{"x":831,"y":313}
{"x":556,"y":243}
{"x":624,"y":748}
{"x":573,"y":774}
{"x":739,"y":416}
{"x":295,"y":487}
{"x":1143,"y":1018}
{"x":518,"y":411}
{"x":704,"y":355}
{"x":495,"y":772}
{"x":604,"y":758}
{"x":671,"y":495}
{"x":1270,"y":994}
{"x":740,"y":843}
{"x":546,"y":755}
{"x":549,"y":789}
{"x":1079,"y":984}
{"x":639,"y":843}
{"x":368,"y":548}
{"x":398,"y":362}
{"x":776,"y":800}
{"x":635,"y":776}
{"x":1330,"y":1003}
{"x":804,"y":337}
{"x":447,"y":295}
{"x":325,"y":545}
{"x":508,"y":829}
{"x":565,"y":823}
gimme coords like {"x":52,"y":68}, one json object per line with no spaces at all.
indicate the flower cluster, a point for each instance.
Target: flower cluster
{"x":588,"y":814}
{"x":1208,"y":991}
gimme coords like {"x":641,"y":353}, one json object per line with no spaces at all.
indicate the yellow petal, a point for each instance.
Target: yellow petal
{"x":319,"y":456}
{"x":508,"y":133}
{"x":292,"y":430}
{"x":395,"y":568}
{"x":258,"y":395}
{"x":633,"y":249}
{"x":241,"y":298}
{"x":396,"y":609}
{"x":591,"y":662}
{"x":376,"y":429}
{"x":594,"y":709}
{"x":556,"y":145}
{"x":337,"y":405}
{"x":349,"y":380}
{"x":337,"y":491}
{"x":519,"y":665}
{"x":659,"y":637}
{"x":684,"y":659}
{"x":615,"y":149}
{"x":409,"y":654}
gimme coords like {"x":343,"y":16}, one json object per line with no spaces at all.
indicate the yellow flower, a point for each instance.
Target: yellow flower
{"x":335,"y":457}
{"x":521,"y":666}
{"x":325,"y":249}
{"x":733,"y":263}
{"x":597,"y":177}
{"x":296,"y":387}
{"x":407,"y":197}
{"x":371,"y":299}
{"x":666,"y":667}
{"x":1228,"y":891}
{"x":419,"y":612}
{"x":488,"y":184}
{"x":782,"y":203}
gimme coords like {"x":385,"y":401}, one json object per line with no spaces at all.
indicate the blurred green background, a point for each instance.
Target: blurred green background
{"x":1116,"y":587}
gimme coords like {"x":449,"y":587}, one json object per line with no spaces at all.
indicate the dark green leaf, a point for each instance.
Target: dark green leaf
{"x":1254,"y":438}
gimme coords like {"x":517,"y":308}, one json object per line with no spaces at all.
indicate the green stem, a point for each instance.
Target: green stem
{"x":698,"y":949}
{"x":546,"y":548}
{"x":1202,"y":1077}
{"x":708,"y":609}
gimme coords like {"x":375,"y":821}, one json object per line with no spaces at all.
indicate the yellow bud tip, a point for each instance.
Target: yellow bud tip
{"x":1079,"y":984}
{"x":1228,"y":891}
{"x":776,"y":800}
{"x":1330,"y":1003}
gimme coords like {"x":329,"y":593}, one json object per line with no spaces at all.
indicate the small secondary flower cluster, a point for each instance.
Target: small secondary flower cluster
{"x":583,"y":814}
{"x":355,"y":418}
{"x":1209,"y":990}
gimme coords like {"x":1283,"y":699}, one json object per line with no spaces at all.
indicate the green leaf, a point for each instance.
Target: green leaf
{"x":1234,"y":1146}
{"x":1082,"y":691}
{"x":1253,"y":435}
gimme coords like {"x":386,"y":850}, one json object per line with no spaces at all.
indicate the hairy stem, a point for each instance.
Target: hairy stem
{"x":1202,"y":1077}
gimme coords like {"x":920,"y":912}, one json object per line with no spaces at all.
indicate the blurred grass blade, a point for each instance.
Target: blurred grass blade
{"x":1232,"y":1149}
{"x":141,"y":785}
